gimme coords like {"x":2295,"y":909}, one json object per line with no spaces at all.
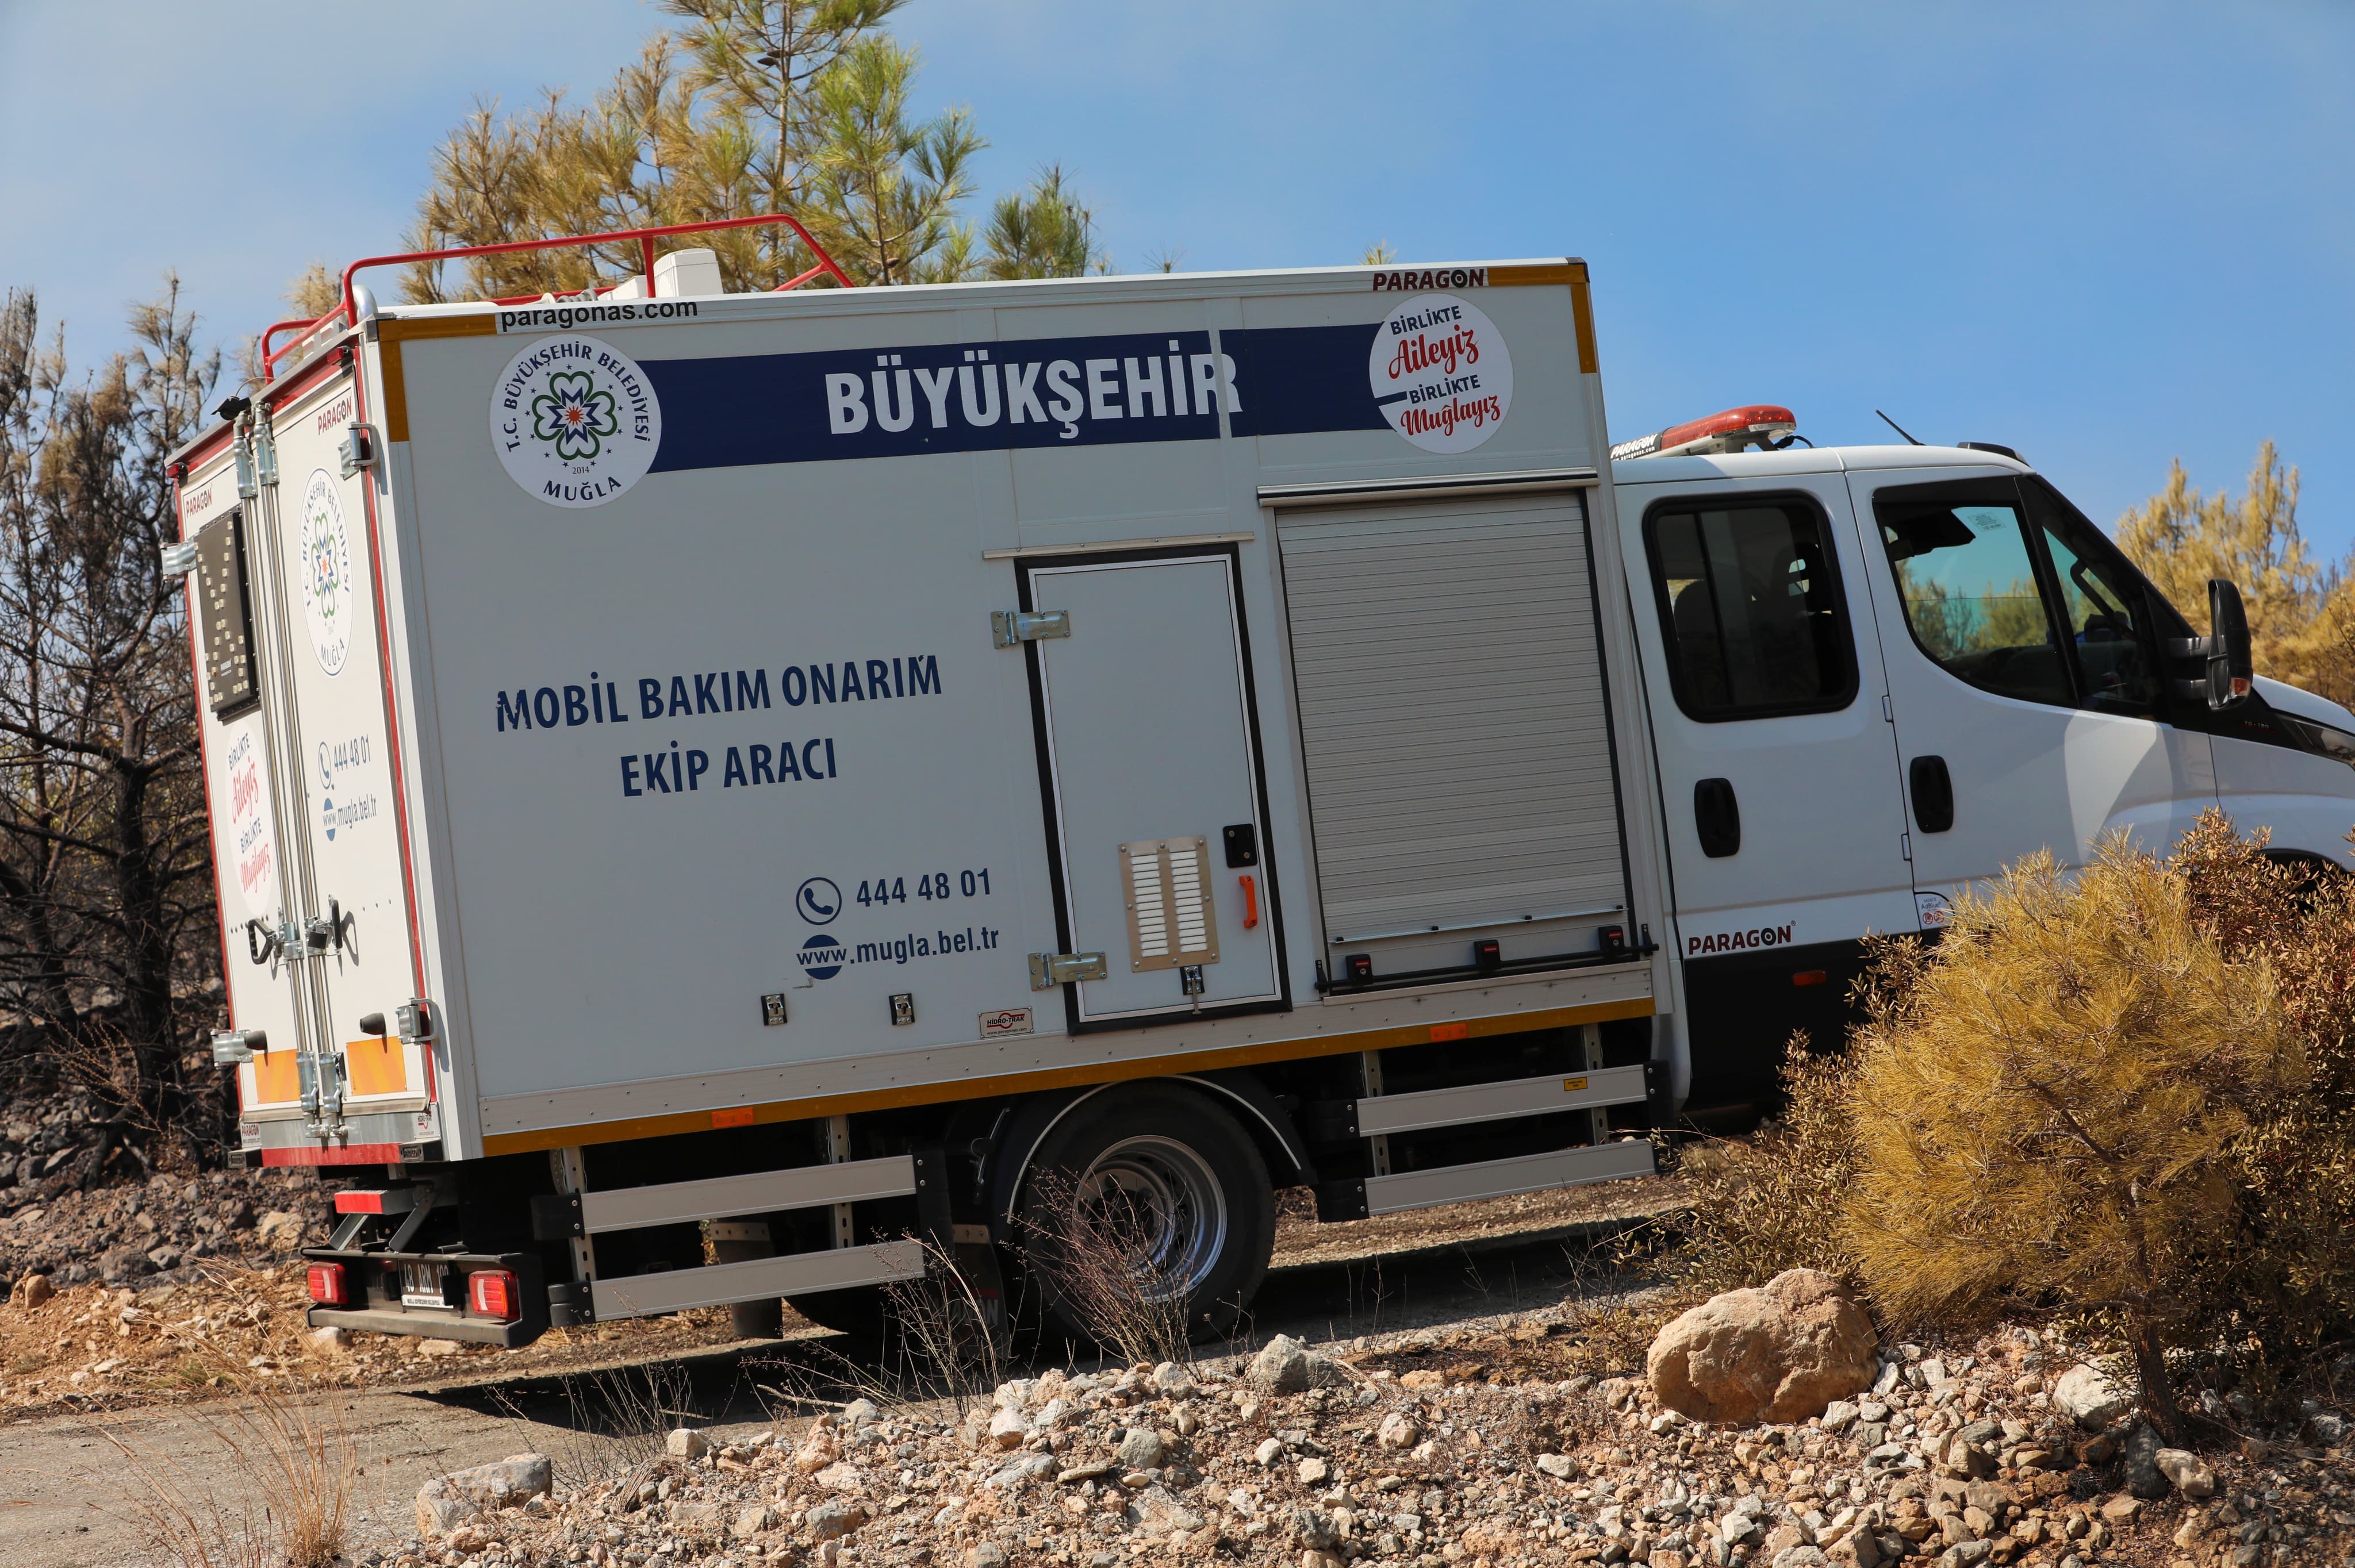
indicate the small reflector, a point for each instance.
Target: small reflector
{"x":493,"y":1293}
{"x":1440,"y":1031}
{"x":1810,"y":976}
{"x":327,"y":1283}
{"x":739,"y":1115}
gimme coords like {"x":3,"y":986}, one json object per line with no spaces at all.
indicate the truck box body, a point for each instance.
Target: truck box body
{"x":741,"y":796}
{"x":747,"y":708}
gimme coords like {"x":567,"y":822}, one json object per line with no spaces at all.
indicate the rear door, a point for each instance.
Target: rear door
{"x":1768,"y":708}
{"x":2027,"y":672}
{"x":340,"y":752}
{"x":245,"y":784}
{"x":1155,"y":797}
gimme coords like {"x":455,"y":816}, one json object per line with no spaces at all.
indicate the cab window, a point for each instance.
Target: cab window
{"x":1967,"y":574}
{"x":2107,"y":618}
{"x":1750,"y":609}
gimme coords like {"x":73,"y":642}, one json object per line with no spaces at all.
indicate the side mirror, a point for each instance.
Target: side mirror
{"x":2230,"y":675}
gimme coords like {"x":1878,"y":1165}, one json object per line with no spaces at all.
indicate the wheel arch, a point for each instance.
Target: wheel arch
{"x":1256,"y":1109}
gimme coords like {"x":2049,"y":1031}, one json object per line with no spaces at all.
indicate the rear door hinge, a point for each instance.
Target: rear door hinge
{"x":1008,"y":627}
{"x":1888,"y":713}
{"x":1049,"y":970}
{"x":1905,"y":846}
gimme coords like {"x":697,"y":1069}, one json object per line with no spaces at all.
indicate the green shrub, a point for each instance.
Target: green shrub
{"x":2125,"y":1092}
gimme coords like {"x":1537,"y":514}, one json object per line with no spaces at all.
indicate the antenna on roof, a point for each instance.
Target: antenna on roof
{"x":1898,"y":427}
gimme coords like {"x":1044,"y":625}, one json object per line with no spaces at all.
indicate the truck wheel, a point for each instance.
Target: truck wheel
{"x":1146,"y":1215}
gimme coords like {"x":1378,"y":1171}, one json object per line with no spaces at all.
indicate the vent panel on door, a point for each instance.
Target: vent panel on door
{"x":1451,"y":716}
{"x":1171,"y":920}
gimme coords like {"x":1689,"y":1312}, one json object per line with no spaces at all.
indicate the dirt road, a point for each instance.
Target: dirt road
{"x":70,"y":1497}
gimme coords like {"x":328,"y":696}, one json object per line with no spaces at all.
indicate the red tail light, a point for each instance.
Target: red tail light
{"x":329,"y":1285}
{"x":493,"y":1293}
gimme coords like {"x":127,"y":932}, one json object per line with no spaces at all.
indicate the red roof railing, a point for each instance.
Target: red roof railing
{"x":348,"y":309}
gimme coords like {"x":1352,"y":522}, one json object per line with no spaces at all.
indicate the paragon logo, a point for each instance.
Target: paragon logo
{"x":575,"y":421}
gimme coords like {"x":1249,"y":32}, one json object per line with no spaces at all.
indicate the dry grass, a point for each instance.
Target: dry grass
{"x":1089,"y":1259}
{"x":938,"y":1345}
{"x":1772,"y":1202}
{"x":280,"y":1495}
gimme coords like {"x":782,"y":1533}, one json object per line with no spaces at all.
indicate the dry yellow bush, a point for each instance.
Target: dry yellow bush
{"x":2051,"y":1109}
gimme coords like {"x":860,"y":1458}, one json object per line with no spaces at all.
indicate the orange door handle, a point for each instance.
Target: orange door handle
{"x":1251,"y":901}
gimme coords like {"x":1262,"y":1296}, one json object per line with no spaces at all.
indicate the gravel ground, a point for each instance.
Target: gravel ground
{"x":1455,"y":1449}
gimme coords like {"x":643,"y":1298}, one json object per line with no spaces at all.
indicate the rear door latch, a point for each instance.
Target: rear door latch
{"x":1008,"y":627}
{"x":1049,"y":970}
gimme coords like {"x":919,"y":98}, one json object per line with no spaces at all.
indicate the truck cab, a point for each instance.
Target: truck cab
{"x":1877,"y":676}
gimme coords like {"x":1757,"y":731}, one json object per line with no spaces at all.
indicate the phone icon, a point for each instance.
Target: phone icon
{"x":818,"y":901}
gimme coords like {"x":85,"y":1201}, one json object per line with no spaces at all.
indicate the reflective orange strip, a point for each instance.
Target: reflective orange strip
{"x":1581,"y":307}
{"x":1572,"y":273}
{"x":377,"y":1066}
{"x":276,"y":1079}
{"x":1057,"y":1078}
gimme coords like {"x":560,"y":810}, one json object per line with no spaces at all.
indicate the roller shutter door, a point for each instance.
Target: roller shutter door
{"x":1454,"y":724}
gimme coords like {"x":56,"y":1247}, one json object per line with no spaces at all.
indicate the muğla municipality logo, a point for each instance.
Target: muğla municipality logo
{"x":328,"y":592}
{"x":575,"y":420}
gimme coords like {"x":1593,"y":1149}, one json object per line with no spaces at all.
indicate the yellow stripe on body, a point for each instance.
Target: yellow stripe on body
{"x":1055,"y":1078}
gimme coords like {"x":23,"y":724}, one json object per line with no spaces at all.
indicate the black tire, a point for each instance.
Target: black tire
{"x":1155,"y":1155}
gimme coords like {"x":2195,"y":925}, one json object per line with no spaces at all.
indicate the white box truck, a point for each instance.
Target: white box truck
{"x":725,"y":796}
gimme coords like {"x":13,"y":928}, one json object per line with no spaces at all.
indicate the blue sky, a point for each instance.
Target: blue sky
{"x":2106,"y":234}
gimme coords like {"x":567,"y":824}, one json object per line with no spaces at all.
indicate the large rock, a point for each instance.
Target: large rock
{"x":445,"y":1502}
{"x":2089,"y":1399}
{"x":1287,"y":1365}
{"x":2191,"y":1477}
{"x":1780,"y":1354}
{"x":1281,"y":1366}
{"x":31,"y":1292}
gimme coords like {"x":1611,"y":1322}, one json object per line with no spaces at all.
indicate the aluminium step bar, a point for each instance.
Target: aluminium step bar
{"x":1377,"y":1116}
{"x":596,"y":1212}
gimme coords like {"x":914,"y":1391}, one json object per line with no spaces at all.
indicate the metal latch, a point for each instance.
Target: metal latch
{"x":1049,"y":970}
{"x":235,"y":1047}
{"x":359,"y":449}
{"x":1008,"y":627}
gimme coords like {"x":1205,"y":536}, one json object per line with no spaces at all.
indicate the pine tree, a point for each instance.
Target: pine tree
{"x":2301,"y":611}
{"x":745,"y":107}
{"x":2052,"y":1112}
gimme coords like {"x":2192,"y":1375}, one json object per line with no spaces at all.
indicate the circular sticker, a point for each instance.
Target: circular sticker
{"x":1441,"y":373}
{"x":328,"y":592}
{"x":575,"y":420}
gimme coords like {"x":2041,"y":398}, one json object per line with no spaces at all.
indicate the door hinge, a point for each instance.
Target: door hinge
{"x":1008,"y":627}
{"x":1905,"y":845}
{"x":1888,"y":714}
{"x":1049,"y":970}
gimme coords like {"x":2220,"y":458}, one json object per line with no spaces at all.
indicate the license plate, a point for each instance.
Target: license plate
{"x":420,"y":1284}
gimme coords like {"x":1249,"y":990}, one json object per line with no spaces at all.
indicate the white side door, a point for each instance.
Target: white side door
{"x":1762,"y":675}
{"x":2030,"y":683}
{"x":1766,"y":695}
{"x":1155,"y":778}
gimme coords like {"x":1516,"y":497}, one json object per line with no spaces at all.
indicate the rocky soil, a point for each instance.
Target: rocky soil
{"x":1475,"y":1447}
{"x":147,"y":1229}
